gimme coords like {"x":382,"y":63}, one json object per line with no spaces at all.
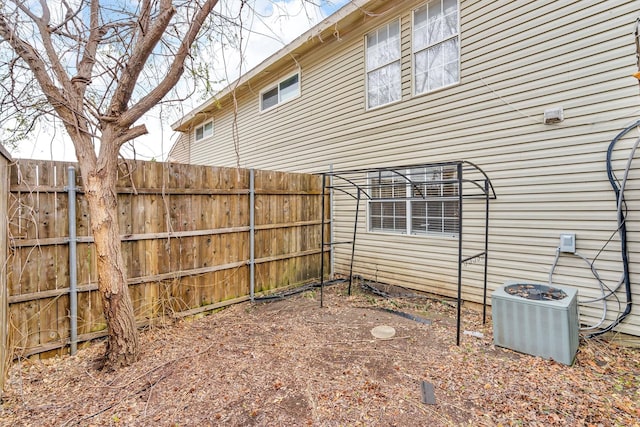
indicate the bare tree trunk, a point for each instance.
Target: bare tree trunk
{"x":122,"y":346}
{"x":62,"y":54}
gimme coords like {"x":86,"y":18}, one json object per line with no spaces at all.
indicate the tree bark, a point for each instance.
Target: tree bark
{"x":122,"y":345}
{"x":89,"y":113}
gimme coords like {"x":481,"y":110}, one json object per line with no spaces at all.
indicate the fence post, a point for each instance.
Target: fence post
{"x":73,"y":273}
{"x":252,"y":232}
{"x":4,"y":304}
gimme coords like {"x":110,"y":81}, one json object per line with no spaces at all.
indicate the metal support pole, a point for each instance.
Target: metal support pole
{"x":459,"y":303}
{"x":252,"y":232}
{"x":486,"y":249}
{"x":322,"y":241}
{"x":353,"y":241}
{"x":73,"y":271}
{"x":332,"y":254}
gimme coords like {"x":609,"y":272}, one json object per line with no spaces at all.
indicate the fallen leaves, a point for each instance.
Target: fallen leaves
{"x":292,"y":363}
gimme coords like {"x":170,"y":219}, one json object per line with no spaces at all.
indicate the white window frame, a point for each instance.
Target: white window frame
{"x":386,"y":65}
{"x":404,"y":190}
{"x":205,"y":133}
{"x":430,"y":46}
{"x":281,"y":100}
{"x":390,"y":197}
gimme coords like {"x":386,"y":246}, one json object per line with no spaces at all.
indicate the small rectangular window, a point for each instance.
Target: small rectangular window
{"x":270,"y":98}
{"x":204,"y":131}
{"x":384,"y":83}
{"x":285,"y":90}
{"x":290,"y":88}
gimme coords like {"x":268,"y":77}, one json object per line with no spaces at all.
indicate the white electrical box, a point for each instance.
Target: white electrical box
{"x":553,"y":115}
{"x":568,"y":243}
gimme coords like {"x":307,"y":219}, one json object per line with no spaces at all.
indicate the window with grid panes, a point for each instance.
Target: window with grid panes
{"x":383,"y":65}
{"x":436,"y":46}
{"x":385,"y":213}
{"x":415,"y":201}
{"x":438,"y":212}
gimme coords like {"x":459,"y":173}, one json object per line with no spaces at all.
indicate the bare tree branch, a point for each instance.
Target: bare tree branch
{"x":27,"y":11}
{"x":145,"y":17}
{"x":175,"y":71}
{"x":83,"y":78}
{"x":130,"y":134}
{"x":31,"y":56}
{"x":69,"y":15}
{"x":141,"y":52}
{"x":53,"y":56}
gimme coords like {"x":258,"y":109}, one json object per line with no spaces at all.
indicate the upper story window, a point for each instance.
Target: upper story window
{"x":285,"y":90}
{"x":204,"y":131}
{"x":415,"y":201}
{"x":436,"y":45}
{"x":383,"y":65}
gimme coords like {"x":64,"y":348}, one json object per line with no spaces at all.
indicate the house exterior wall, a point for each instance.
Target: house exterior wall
{"x":517,"y":59}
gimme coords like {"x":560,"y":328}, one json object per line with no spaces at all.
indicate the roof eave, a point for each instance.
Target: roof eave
{"x":301,"y":44}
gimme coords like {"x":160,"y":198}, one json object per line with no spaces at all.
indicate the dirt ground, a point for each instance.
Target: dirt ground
{"x":290,"y":362}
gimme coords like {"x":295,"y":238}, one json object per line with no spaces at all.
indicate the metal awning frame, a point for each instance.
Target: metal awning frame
{"x":472,"y":183}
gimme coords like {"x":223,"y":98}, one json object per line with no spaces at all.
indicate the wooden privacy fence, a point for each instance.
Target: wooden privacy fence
{"x":5,"y":161}
{"x":194,"y":239}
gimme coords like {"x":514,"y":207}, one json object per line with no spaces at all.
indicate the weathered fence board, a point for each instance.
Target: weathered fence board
{"x":5,"y":160}
{"x":185,"y":243}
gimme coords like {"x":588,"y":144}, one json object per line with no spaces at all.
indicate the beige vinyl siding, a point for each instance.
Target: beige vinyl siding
{"x":517,"y":59}
{"x":181,"y":150}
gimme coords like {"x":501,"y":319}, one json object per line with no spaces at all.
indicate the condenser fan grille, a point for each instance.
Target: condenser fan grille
{"x":535,"y":292}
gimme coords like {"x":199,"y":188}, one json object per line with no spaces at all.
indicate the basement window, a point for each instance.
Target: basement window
{"x":284,"y":91}
{"x":204,"y":131}
{"x":418,"y":201}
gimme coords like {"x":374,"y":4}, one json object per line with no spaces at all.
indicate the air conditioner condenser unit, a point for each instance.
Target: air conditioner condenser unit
{"x":536,"y":319}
